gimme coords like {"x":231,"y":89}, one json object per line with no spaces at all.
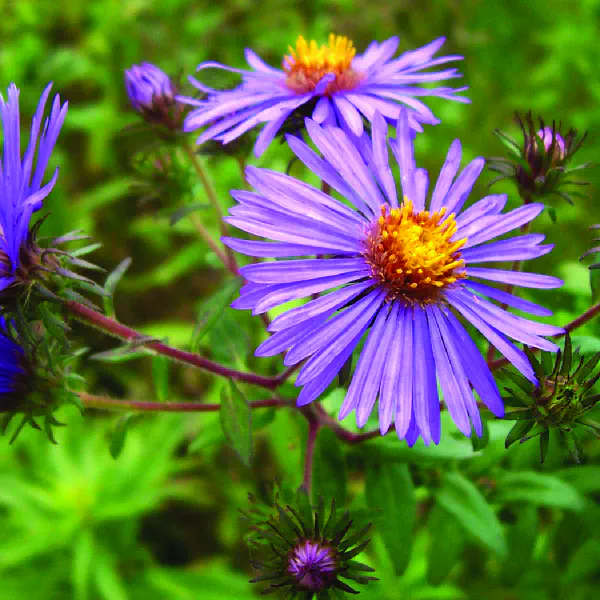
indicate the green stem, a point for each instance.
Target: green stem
{"x":211,"y":194}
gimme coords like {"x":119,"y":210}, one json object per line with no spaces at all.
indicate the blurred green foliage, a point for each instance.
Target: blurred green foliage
{"x":161,"y":521}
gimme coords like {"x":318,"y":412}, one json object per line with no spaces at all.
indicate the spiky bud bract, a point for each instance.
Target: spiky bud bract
{"x":558,"y":403}
{"x":306,"y":551}
{"x":540,"y":164}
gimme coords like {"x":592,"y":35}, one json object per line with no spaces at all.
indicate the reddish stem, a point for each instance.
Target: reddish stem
{"x":101,"y":402}
{"x":122,"y":331}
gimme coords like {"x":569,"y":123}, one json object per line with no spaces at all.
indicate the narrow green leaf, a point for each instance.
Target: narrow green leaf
{"x":83,"y":559}
{"x":390,"y":495}
{"x":466,"y":503}
{"x":236,"y":421}
{"x":521,"y":537}
{"x":111,"y":285}
{"x":538,"y":489}
{"x":119,"y":434}
{"x":446,"y":543}
{"x":211,"y":311}
{"x":329,"y":469}
{"x":160,"y":376}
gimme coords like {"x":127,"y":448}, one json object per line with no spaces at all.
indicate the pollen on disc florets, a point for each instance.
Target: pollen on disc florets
{"x":308,"y":63}
{"x":412,"y":254}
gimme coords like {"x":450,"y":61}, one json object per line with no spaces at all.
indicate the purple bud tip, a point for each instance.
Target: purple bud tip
{"x":548,"y":135}
{"x":147,"y":85}
{"x":313,"y":565}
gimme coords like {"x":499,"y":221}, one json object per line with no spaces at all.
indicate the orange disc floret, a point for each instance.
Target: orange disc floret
{"x":308,"y":63}
{"x":413,"y":254}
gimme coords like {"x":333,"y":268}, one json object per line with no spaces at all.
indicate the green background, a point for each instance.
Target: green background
{"x":162,"y":521}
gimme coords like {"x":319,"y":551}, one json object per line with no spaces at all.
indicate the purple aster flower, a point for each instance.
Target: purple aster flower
{"x":21,"y":189}
{"x":152,"y":94}
{"x":330,"y":83}
{"x":400,"y":271}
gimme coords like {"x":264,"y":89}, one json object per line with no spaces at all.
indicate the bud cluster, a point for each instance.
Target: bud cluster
{"x":539,"y":165}
{"x":558,"y":402}
{"x":307,"y":551}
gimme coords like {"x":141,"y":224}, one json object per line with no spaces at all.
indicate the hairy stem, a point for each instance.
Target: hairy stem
{"x":210,"y":242}
{"x":113,"y":327}
{"x":211,"y":194}
{"x":101,"y":402}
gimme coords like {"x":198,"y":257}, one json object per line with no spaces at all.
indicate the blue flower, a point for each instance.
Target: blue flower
{"x":152,"y":94}
{"x":21,"y":189}
{"x":400,"y":270}
{"x":11,"y":369}
{"x":336,"y":87}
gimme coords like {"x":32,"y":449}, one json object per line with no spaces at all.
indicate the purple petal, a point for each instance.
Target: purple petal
{"x":520,"y":278}
{"x":500,"y":342}
{"x":359,"y":313}
{"x":475,"y":367}
{"x":335,"y":299}
{"x":446,"y":176}
{"x":509,"y":299}
{"x":505,"y":223}
{"x":451,"y":381}
{"x":391,"y":370}
{"x":364,"y":386}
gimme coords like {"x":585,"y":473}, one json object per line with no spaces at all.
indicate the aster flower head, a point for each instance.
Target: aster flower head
{"x":558,"y":403}
{"x":152,"y":94}
{"x":21,"y":186}
{"x":539,"y":165}
{"x":331,"y":83}
{"x":400,"y":272}
{"x":307,"y":551}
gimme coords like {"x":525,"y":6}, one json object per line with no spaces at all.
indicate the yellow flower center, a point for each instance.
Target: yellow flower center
{"x":308,"y":63}
{"x":413,"y":255}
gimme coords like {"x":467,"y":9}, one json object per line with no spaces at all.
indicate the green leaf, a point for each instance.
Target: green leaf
{"x":160,"y":376}
{"x":446,"y":543}
{"x":479,"y":443}
{"x":118,"y":435}
{"x":584,"y":478}
{"x":521,"y":538}
{"x":329,"y":469}
{"x":467,"y":504}
{"x":83,"y":560}
{"x":111,"y":285}
{"x":212,"y":310}
{"x":236,"y":421}
{"x":390,"y":495}
{"x":583,"y":562}
{"x":108,"y":580}
{"x":538,"y":489}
